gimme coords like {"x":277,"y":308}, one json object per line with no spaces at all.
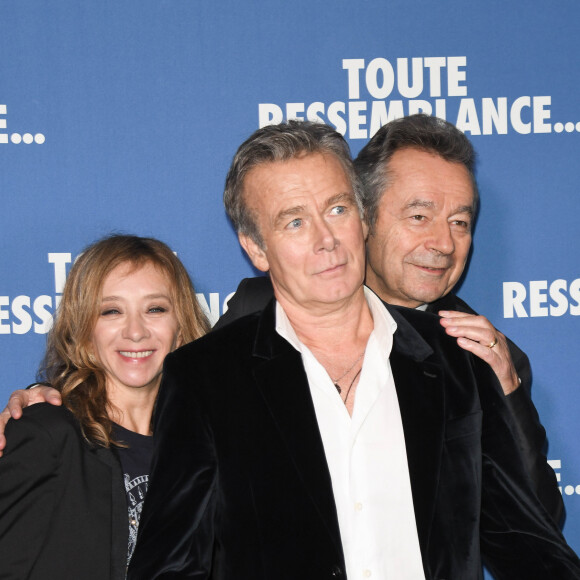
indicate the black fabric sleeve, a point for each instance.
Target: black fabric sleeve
{"x":252,"y":295}
{"x":519,"y":540}
{"x":529,"y":432}
{"x":28,"y":491}
{"x":531,"y":438}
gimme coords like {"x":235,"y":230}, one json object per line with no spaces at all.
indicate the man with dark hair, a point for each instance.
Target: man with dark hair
{"x":330,"y":435}
{"x":420,"y":201}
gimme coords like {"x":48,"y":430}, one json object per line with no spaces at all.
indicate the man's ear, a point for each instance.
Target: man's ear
{"x":365,"y":229}
{"x":255,"y":253}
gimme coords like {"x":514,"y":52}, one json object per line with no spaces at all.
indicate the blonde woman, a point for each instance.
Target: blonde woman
{"x":73,"y":478}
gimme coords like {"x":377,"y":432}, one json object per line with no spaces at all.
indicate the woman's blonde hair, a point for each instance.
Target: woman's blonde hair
{"x":68,"y":364}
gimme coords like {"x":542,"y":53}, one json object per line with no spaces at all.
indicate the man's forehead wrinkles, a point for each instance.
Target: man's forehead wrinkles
{"x":335,"y":198}
{"x":417,"y":202}
{"x":343,"y":196}
{"x":288,"y":212}
{"x":432,"y":204}
{"x":291,"y":210}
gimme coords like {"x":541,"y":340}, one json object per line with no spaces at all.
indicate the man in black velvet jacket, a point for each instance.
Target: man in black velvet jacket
{"x":243,"y":483}
{"x":412,"y":171}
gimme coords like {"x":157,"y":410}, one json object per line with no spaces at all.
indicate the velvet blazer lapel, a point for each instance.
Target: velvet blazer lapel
{"x":420,"y":390}
{"x":282,"y":382}
{"x":281,"y":379}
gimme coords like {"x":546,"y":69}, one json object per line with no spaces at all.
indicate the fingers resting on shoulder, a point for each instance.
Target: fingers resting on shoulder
{"x":476,"y":334}
{"x":23,"y":398}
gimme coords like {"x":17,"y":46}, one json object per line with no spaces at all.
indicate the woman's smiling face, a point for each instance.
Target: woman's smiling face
{"x":136,"y":326}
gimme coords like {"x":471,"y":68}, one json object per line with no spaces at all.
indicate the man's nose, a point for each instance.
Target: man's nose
{"x":440,"y":238}
{"x":325,"y":238}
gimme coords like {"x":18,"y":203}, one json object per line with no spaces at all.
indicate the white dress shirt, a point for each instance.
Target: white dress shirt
{"x":366,"y":457}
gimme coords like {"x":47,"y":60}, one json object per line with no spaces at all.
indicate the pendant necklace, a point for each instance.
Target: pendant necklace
{"x":335,"y":381}
{"x":350,"y":386}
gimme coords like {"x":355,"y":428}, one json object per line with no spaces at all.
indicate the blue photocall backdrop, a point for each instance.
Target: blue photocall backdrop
{"x":124,"y":116}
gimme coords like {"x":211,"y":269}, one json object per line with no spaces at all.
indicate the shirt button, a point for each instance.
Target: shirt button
{"x":367,"y":573}
{"x":358,"y":506}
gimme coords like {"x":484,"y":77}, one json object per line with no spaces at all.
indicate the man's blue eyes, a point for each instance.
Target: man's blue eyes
{"x":297,"y":222}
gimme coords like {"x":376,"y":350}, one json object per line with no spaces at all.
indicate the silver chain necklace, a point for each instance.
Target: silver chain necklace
{"x":335,"y":381}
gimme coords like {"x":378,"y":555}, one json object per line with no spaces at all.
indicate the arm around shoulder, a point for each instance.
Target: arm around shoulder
{"x":252,"y":295}
{"x":27,"y":491}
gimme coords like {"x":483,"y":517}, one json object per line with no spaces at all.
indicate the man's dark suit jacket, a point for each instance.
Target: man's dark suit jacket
{"x":240,"y":488}
{"x":531,"y":433}
{"x":63,"y":510}
{"x":253,"y":294}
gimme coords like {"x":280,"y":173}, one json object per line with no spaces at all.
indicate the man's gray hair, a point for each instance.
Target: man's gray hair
{"x":423,"y":132}
{"x":289,"y":140}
